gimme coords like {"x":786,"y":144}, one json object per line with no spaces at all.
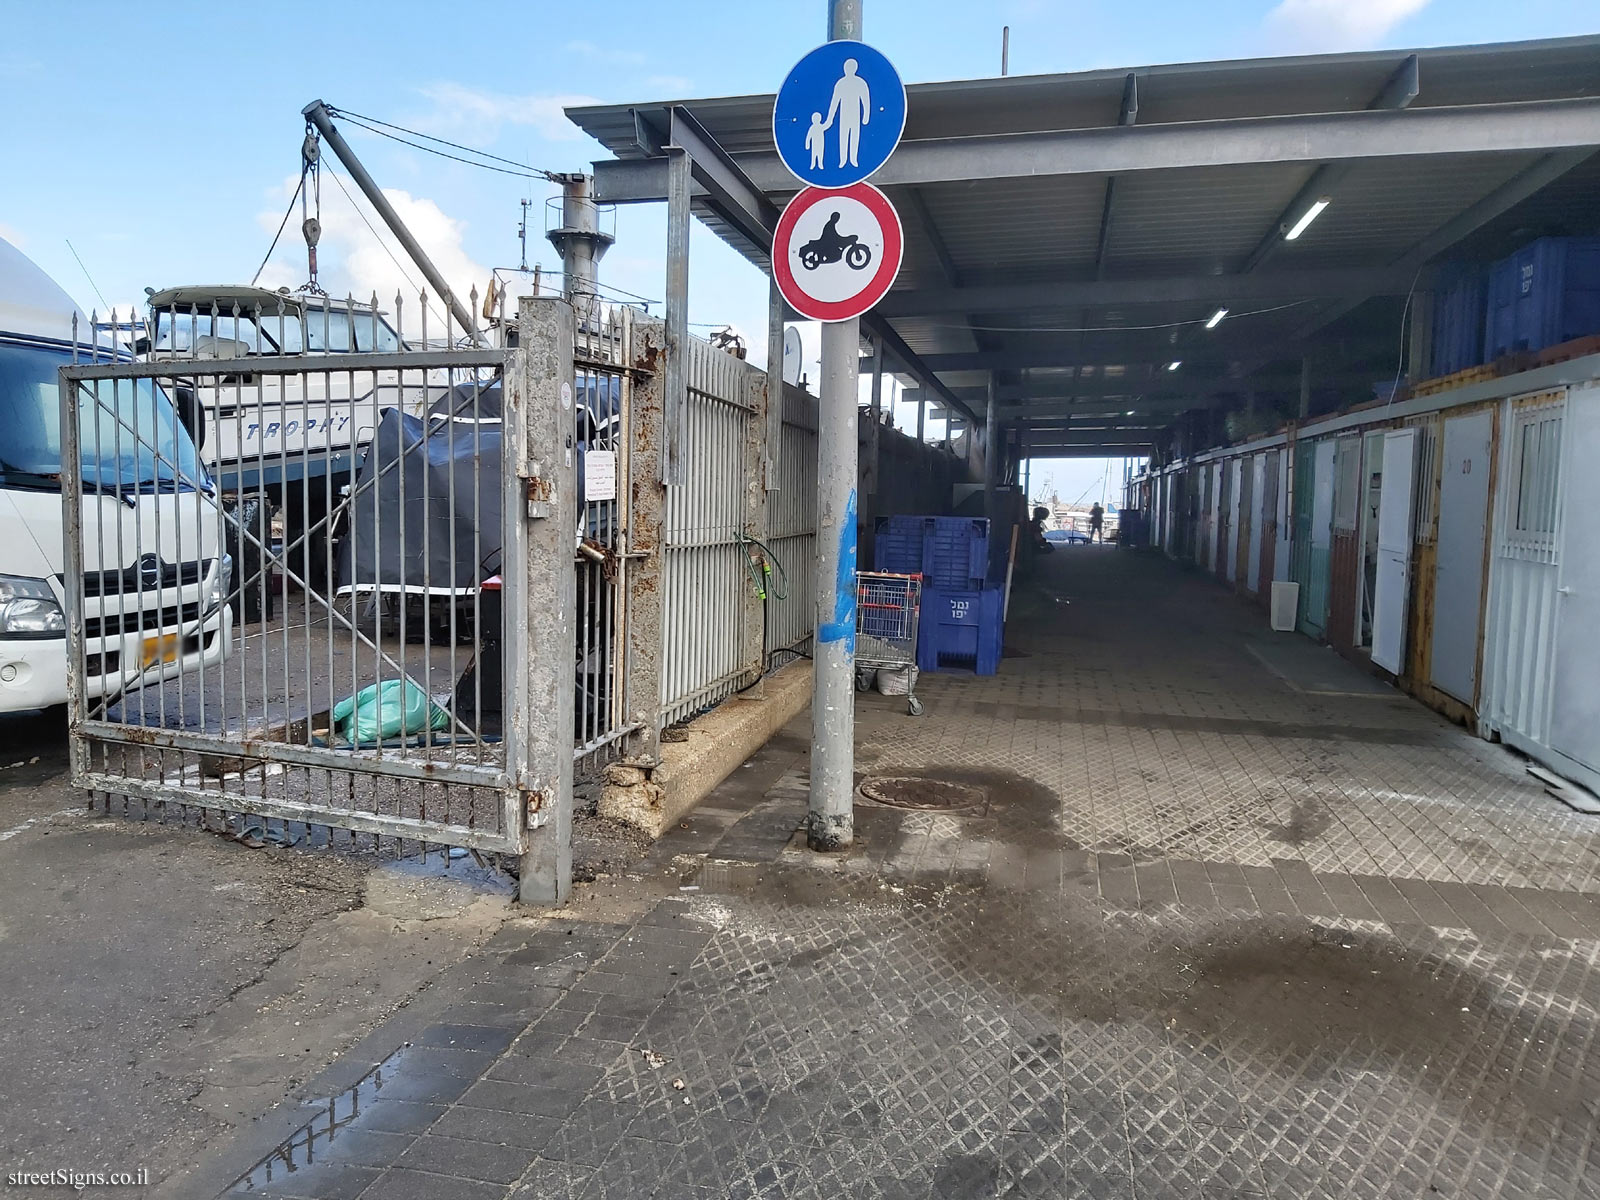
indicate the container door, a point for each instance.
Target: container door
{"x":1392,"y":587}
{"x":1236,"y":510}
{"x":1225,"y":482}
{"x":1458,"y":578}
{"x":1318,"y":543}
{"x":1575,"y":719}
{"x":1278,"y":475}
{"x":1261,"y":505}
{"x":1524,"y":573}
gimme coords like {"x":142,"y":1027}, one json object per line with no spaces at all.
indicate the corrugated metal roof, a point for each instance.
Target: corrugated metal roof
{"x":1197,"y":222}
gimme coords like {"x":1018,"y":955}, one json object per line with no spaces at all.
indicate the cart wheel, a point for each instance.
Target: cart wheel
{"x":913,"y":706}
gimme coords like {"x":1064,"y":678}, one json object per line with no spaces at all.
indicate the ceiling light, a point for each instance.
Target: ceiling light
{"x":1216,"y":318}
{"x":1310,"y":215}
{"x":1173,"y":366}
{"x":1129,"y":413}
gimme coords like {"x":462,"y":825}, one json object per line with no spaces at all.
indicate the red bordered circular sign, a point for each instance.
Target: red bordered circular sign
{"x":836,"y":252}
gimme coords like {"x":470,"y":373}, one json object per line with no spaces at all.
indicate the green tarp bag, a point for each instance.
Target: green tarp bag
{"x":385,"y":710}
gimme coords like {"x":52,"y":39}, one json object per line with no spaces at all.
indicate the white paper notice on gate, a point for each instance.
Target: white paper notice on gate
{"x":599,"y":476}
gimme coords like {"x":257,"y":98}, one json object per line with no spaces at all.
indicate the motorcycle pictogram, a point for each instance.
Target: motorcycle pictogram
{"x":830,"y":246}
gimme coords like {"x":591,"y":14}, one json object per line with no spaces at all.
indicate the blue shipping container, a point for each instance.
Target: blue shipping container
{"x":961,"y":629}
{"x":1546,"y":293}
{"x":1458,"y":315}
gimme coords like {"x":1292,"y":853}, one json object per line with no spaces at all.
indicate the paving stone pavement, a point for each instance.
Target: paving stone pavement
{"x":1210,"y":929}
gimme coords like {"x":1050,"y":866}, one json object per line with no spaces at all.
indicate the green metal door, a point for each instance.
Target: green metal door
{"x":1310,"y":554}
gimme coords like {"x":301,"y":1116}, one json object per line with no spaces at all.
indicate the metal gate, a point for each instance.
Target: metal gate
{"x":373,"y":648}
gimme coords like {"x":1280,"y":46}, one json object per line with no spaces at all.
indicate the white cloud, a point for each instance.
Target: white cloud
{"x":609,"y":54}
{"x":481,"y":114}
{"x":353,"y":259}
{"x":675,"y":85}
{"x":1328,"y":25}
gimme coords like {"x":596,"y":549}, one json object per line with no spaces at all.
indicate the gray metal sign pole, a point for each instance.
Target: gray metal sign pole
{"x":831,"y":820}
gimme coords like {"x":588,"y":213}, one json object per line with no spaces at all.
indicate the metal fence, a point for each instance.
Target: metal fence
{"x":298,"y":648}
{"x":792,"y":526}
{"x":706,"y":576}
{"x":312,"y":560}
{"x":603,"y":355}
{"x":316,"y":581}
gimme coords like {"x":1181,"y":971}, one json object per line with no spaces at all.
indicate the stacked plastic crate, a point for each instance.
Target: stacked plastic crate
{"x":961,"y":620}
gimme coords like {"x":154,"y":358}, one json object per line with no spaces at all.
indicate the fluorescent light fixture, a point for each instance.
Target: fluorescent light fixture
{"x":1173,"y":366}
{"x":1310,"y":215}
{"x":1129,"y":413}
{"x":1216,"y":318}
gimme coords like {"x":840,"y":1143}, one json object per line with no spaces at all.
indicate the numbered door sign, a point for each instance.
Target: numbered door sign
{"x":837,"y":252}
{"x":839,"y":114}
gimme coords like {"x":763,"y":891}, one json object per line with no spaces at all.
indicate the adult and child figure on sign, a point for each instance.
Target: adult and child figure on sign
{"x":852,"y":107}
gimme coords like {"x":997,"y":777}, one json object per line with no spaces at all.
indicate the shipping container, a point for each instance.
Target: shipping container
{"x":1546,"y":293}
{"x":1458,"y":318}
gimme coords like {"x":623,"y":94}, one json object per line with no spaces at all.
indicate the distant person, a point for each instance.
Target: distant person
{"x":1036,"y":531}
{"x":1097,"y":522}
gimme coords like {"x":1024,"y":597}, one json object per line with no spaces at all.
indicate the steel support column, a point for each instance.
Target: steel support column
{"x":538,"y":423}
{"x":831,"y":817}
{"x":677,"y":397}
{"x":776,"y":310}
{"x":647,"y":516}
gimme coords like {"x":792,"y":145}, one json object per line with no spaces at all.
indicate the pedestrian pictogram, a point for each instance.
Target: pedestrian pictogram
{"x":837,"y":252}
{"x":839,"y":114}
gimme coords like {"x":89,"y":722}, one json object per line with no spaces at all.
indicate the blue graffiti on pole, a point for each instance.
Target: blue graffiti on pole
{"x":843,"y":626}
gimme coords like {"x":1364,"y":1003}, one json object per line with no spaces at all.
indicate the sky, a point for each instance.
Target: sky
{"x":163,"y":141}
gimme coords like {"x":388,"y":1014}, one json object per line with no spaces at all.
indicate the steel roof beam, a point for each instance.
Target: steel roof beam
{"x":1181,"y":289}
{"x":1128,"y":115}
{"x":1521,"y":127}
{"x":1400,"y":90}
{"x":1127,"y":352}
{"x":918,"y":207}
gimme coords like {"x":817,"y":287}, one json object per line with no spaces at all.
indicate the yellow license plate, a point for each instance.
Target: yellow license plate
{"x":162,"y":649}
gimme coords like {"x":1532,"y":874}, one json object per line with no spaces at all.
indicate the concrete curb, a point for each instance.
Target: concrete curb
{"x":718,"y":742}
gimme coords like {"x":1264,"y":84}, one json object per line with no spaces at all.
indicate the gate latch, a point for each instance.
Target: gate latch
{"x":541,"y":492}
{"x":533,"y":805}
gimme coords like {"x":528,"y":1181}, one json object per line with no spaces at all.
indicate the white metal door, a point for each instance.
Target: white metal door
{"x":1214,"y":533}
{"x":1463,"y":527}
{"x":1575,"y":717}
{"x":1391,"y":595}
{"x":1280,"y":550}
{"x":1520,"y":631}
{"x":1235,"y":479}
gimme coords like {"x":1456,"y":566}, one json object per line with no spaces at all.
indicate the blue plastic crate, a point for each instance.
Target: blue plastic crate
{"x":961,"y":629}
{"x":1458,"y":317}
{"x":897,"y":552}
{"x":956,"y":553}
{"x":1546,"y":293}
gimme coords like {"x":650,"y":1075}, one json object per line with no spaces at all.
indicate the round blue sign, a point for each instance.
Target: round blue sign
{"x":839,"y":114}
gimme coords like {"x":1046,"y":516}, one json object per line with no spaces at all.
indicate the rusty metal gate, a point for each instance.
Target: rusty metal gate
{"x":309,"y":576}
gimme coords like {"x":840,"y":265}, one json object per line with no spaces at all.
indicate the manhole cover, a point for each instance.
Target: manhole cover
{"x":905,"y":791}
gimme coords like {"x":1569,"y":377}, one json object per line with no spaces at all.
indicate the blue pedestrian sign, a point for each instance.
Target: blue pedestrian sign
{"x":839,"y":114}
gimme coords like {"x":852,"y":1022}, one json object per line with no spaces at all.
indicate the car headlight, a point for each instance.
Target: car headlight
{"x":28,"y":609}
{"x":218,"y":584}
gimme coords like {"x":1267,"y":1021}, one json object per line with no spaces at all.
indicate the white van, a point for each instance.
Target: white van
{"x":156,"y":579}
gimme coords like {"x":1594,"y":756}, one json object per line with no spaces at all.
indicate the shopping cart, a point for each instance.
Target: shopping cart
{"x":886,"y":626}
